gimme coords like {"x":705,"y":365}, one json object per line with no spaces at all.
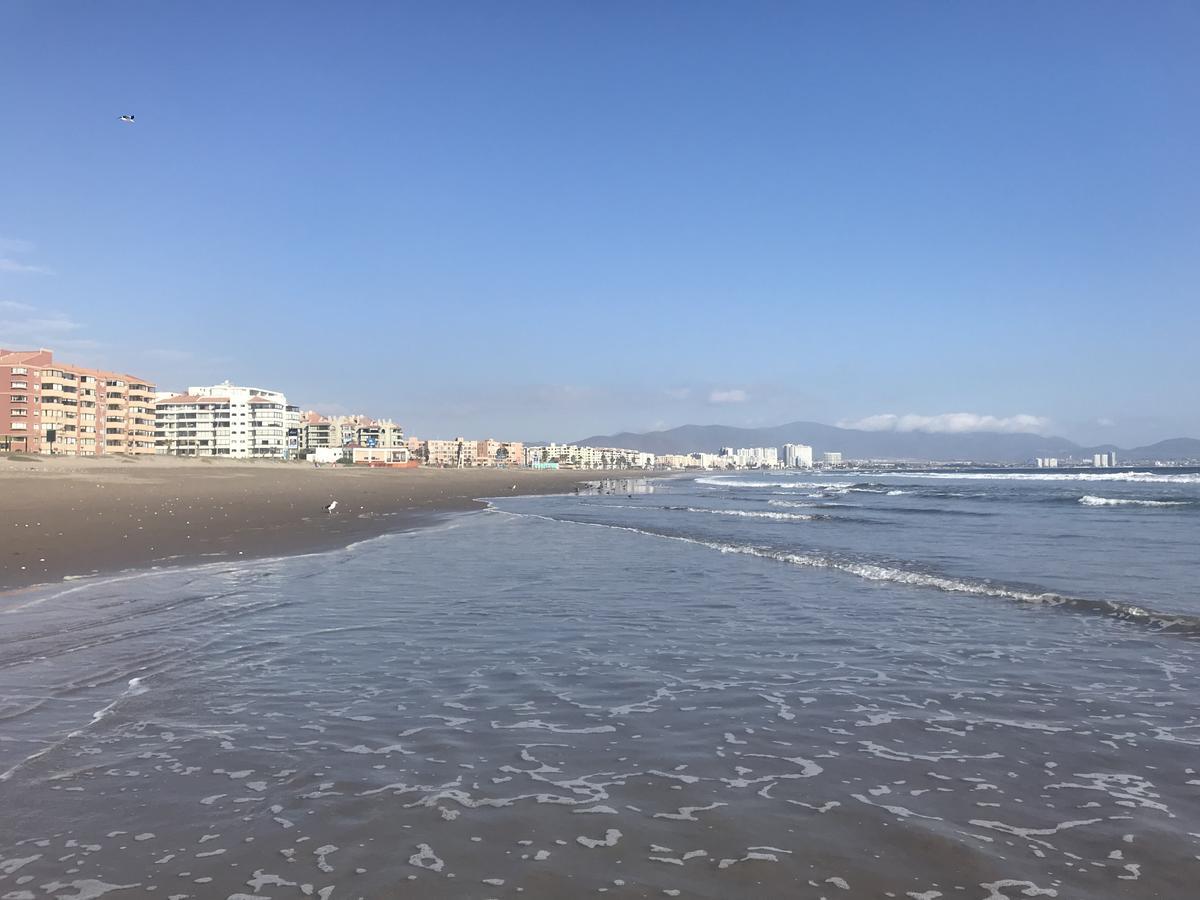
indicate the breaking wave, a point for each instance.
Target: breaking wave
{"x":1134,"y":477}
{"x":730,"y":481}
{"x":1176,"y":624}
{"x":1090,"y":500}
{"x":746,"y":514}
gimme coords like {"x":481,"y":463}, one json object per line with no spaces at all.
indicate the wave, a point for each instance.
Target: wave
{"x":1090,"y":500}
{"x":1185,"y":625}
{"x":747,"y":514}
{"x":1134,"y":477}
{"x":730,"y":481}
{"x":809,"y":504}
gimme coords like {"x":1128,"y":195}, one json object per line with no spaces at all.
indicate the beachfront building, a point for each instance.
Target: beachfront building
{"x":831,"y":458}
{"x":390,"y":457}
{"x":458,"y":453}
{"x":227,"y":420}
{"x":1046,"y":462}
{"x":577,"y":457}
{"x":751,"y":457}
{"x":1104,"y":460}
{"x":53,"y":407}
{"x":461,"y":453}
{"x":797,"y":456}
{"x":346,"y":431}
{"x":502,"y":454}
{"x":688,"y":461}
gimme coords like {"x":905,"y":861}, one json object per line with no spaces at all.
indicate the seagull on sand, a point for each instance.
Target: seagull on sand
{"x":331,"y":506}
{"x":128,"y":120}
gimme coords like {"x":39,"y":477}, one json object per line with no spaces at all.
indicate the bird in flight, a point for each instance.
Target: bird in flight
{"x":128,"y":120}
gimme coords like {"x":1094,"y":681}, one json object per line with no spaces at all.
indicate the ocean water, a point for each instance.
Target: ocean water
{"x":861,"y":685}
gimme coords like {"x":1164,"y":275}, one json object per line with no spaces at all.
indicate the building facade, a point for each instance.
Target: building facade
{"x":51,"y":407}
{"x":575,"y":456}
{"x":227,"y":420}
{"x":797,"y":456}
{"x":504,"y":454}
{"x":346,"y":431}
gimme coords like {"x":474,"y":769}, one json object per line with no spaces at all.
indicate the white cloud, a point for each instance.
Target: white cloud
{"x":734,"y":395}
{"x":9,"y":249}
{"x":949,"y":423}
{"x":8,"y":264}
{"x":22,"y":322}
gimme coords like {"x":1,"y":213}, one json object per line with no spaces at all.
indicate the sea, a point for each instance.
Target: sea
{"x":854,"y":684}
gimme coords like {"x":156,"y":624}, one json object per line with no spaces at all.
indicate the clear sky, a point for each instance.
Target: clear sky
{"x":548,"y":220}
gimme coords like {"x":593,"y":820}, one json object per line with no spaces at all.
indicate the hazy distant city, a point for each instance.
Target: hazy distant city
{"x":53,"y":407}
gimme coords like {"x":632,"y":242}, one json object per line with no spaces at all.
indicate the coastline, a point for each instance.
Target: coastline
{"x":68,"y":517}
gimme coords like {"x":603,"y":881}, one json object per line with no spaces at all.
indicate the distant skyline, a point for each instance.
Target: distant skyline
{"x":546,"y":220}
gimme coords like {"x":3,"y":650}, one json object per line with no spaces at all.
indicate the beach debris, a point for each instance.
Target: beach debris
{"x":331,"y":506}
{"x":128,"y":120}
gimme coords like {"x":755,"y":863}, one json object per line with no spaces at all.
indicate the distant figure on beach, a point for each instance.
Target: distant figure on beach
{"x":128,"y":120}
{"x":331,"y":507}
{"x":514,"y":487}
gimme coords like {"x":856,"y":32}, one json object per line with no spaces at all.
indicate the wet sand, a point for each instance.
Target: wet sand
{"x":62,"y":517}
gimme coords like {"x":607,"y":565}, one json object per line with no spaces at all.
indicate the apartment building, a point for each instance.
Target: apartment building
{"x":227,"y":420}
{"x":457,"y":453}
{"x":797,"y":456}
{"x":504,"y":454}
{"x":344,"y":431}
{"x":575,"y":456}
{"x":52,"y":407}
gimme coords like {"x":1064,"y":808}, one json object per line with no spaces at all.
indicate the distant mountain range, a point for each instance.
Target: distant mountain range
{"x":993,"y":447}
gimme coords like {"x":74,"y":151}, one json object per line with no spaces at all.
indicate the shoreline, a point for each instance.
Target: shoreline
{"x":66,"y":517}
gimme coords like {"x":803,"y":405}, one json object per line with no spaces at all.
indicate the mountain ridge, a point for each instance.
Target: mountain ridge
{"x":980,"y":446}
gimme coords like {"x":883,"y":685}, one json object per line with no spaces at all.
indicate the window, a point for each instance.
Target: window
{"x":19,"y":426}
{"x":20,"y":385}
{"x":17,"y":370}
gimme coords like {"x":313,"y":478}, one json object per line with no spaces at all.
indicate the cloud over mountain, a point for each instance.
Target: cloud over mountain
{"x":950,"y":423}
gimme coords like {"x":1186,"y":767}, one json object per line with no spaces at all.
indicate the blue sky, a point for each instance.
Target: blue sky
{"x":547,"y":220}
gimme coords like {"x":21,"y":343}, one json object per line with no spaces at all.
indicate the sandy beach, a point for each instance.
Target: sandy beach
{"x":65,"y":516}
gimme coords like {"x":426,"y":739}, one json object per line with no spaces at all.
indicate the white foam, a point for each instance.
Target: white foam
{"x":1135,"y":477}
{"x":727,"y":481}
{"x":1090,"y":500}
{"x":751,"y":514}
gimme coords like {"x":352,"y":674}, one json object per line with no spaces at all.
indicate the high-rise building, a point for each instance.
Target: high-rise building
{"x":227,"y":420}
{"x":797,"y":456}
{"x":52,"y":407}
{"x":831,"y":458}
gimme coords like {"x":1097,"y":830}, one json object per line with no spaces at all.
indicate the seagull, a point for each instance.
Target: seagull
{"x":128,"y":120}
{"x":331,"y":507}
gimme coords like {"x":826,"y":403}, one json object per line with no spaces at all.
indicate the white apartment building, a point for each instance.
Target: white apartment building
{"x":832,"y":458}
{"x":1104,"y":460}
{"x":572,"y":455}
{"x":797,"y":456}
{"x":756,"y":457}
{"x":1047,"y":462}
{"x":226,"y":420}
